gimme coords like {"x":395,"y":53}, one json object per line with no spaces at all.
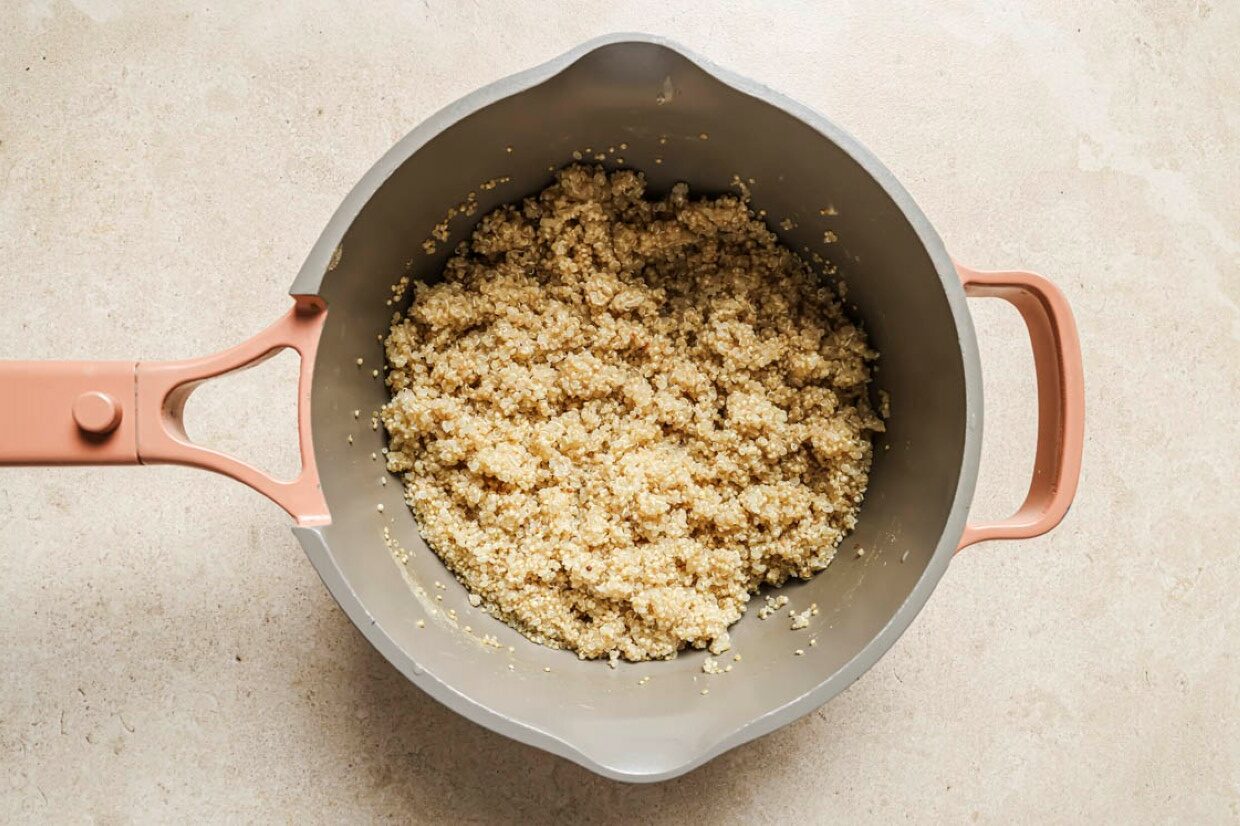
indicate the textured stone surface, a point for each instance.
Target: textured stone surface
{"x":168,"y":653}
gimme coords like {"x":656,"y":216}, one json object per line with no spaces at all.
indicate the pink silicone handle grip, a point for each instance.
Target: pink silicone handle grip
{"x":131,"y":412}
{"x":1061,"y":401}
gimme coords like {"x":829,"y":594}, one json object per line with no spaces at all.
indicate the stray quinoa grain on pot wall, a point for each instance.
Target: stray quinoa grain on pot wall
{"x":615,"y":418}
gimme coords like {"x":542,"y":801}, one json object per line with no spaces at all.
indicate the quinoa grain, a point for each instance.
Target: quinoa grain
{"x":616,"y":418}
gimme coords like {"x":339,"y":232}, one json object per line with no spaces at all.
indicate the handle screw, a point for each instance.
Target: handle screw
{"x":96,"y":412}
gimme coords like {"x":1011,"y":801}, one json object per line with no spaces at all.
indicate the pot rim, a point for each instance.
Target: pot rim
{"x":315,"y":544}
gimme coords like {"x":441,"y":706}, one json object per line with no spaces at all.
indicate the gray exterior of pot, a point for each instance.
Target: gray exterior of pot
{"x":659,"y":100}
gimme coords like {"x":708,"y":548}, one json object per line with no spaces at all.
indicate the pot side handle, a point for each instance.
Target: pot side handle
{"x":129,"y":412}
{"x":1061,"y":401}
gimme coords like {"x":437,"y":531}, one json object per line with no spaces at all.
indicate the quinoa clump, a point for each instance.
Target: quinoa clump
{"x":616,"y":418}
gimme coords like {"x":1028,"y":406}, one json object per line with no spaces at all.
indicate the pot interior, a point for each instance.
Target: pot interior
{"x":659,"y":104}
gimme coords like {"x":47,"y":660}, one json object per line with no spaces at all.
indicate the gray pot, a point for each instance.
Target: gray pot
{"x":634,"y":90}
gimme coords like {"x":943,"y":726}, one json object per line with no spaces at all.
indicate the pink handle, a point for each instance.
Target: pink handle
{"x":1061,"y":401}
{"x":131,"y":412}
{"x":68,"y":413}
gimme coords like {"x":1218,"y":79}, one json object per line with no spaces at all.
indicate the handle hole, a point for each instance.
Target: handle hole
{"x":1010,"y":432}
{"x":251,"y":414}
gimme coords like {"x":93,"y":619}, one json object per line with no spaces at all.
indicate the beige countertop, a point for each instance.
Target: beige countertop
{"x":167,"y":651}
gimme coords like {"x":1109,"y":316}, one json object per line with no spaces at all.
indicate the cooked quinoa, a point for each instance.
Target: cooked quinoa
{"x":615,"y":418}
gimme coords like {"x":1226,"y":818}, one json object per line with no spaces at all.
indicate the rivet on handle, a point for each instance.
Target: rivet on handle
{"x":96,"y":412}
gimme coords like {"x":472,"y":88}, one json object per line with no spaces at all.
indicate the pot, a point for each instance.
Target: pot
{"x":679,"y":118}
